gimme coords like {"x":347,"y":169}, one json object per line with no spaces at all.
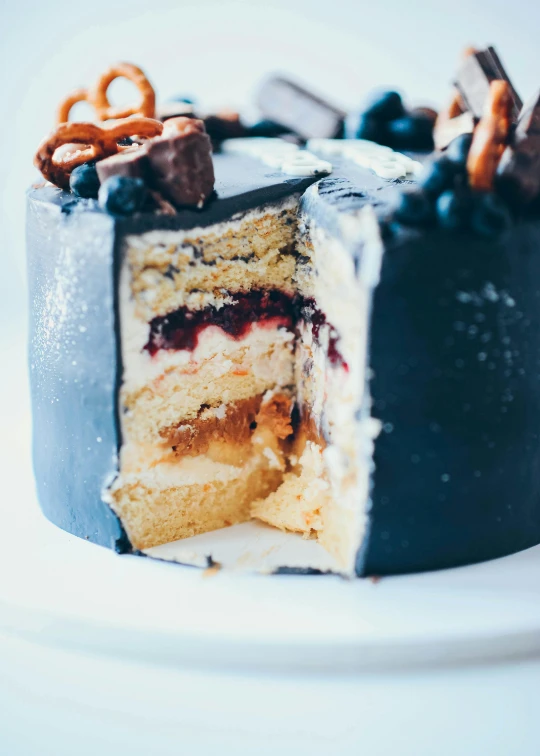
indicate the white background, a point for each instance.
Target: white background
{"x":63,"y":703}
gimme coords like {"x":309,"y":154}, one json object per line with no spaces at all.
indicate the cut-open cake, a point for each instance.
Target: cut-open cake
{"x":289,"y":378}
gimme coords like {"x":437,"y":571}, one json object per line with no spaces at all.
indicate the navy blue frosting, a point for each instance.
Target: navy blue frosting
{"x":455,"y":358}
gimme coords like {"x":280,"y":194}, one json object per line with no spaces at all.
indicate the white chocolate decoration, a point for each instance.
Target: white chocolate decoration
{"x":384,"y":161}
{"x":283,"y":156}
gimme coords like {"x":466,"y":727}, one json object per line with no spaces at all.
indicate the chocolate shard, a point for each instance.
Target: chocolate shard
{"x":518,"y":174}
{"x":130,"y":162}
{"x":475,"y":75}
{"x":180,"y":163}
{"x":304,"y":113}
{"x":174,"y":109}
{"x":224,"y":125}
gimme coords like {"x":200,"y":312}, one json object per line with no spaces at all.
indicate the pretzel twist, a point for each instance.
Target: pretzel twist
{"x":97,"y":142}
{"x":490,"y":136}
{"x":64,"y":109}
{"x":97,"y":96}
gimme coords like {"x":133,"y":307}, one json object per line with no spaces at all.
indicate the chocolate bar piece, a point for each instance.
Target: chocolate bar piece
{"x":475,"y":75}
{"x":129,"y":162}
{"x":180,"y":162}
{"x":224,"y":125}
{"x":304,"y":113}
{"x":518,"y":174}
{"x":174,"y":109}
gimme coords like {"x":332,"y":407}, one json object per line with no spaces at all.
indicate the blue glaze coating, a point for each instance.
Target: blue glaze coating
{"x":74,"y":367}
{"x":455,"y":355}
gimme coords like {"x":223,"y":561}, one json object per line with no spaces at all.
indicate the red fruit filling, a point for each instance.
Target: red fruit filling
{"x":180,"y":329}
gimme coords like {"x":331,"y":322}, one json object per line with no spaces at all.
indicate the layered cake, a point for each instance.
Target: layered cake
{"x":299,"y":352}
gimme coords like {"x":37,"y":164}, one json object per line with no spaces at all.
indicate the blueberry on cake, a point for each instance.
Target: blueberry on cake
{"x":285,"y":350}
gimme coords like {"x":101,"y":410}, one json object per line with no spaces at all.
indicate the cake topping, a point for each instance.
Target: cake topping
{"x":303,"y":112}
{"x":180,"y":162}
{"x":490,"y":136}
{"x":281,"y":155}
{"x":385,"y":120}
{"x":97,"y":142}
{"x":84,"y":181}
{"x":122,"y":195}
{"x":177,"y":164}
{"x":98,"y":98}
{"x":475,"y":75}
{"x":518,"y":176}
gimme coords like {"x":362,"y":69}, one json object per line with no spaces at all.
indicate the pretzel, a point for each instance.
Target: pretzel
{"x":97,"y":142}
{"x":63,"y":111}
{"x":99,"y":99}
{"x":490,"y":136}
{"x":97,"y":96}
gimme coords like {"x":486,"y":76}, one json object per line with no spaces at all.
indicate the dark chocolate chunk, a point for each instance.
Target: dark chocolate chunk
{"x":425,"y":111}
{"x":224,"y":125}
{"x":475,"y":75}
{"x":293,"y":106}
{"x":518,"y":173}
{"x":180,"y":162}
{"x":174,"y":109}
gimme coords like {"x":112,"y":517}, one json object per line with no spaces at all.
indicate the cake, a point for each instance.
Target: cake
{"x":290,"y":356}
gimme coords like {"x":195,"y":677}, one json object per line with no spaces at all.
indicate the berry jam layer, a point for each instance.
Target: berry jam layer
{"x":182,"y":328}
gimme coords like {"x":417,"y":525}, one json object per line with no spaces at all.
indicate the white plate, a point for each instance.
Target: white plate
{"x":59,"y":590}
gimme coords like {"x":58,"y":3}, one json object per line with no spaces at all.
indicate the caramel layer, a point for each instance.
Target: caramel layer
{"x":234,"y":425}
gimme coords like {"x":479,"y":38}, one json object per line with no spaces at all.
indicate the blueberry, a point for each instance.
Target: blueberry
{"x":453,"y":209}
{"x":437,"y":177}
{"x":414,"y":208}
{"x":182,"y":98}
{"x":267,"y":128}
{"x":458,"y":149}
{"x":384,"y":106}
{"x":84,"y":181}
{"x":413,"y":132}
{"x":490,"y":216}
{"x":361,"y":126}
{"x":122,"y":195}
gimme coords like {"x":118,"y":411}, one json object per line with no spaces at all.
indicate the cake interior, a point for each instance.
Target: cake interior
{"x":246,"y":431}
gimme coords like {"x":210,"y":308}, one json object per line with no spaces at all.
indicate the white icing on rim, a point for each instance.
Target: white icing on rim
{"x":278,"y":154}
{"x":383,"y":161}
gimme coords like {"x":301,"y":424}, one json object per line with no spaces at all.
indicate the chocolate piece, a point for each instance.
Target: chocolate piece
{"x":426,"y":112}
{"x":174,"y":109}
{"x":475,"y":75}
{"x":180,"y":162}
{"x":224,"y":125}
{"x":130,"y":162}
{"x":307,"y":115}
{"x":518,"y":174}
